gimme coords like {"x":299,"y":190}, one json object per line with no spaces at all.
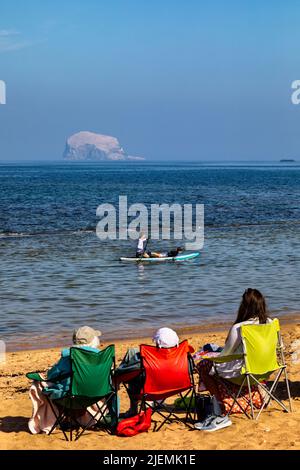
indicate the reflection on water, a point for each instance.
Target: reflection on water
{"x":141,"y":271}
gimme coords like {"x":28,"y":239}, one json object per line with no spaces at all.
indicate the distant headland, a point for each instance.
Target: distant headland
{"x":89,"y":146}
{"x":287,"y":160}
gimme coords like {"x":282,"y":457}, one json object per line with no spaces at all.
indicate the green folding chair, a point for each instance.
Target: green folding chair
{"x":262,"y":356}
{"x":91,"y":381}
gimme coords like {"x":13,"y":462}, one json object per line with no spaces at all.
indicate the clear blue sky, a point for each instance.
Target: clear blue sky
{"x":205,"y":80}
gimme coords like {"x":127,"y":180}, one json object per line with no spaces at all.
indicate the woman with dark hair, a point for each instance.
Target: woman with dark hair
{"x":252,"y":310}
{"x":253,"y":305}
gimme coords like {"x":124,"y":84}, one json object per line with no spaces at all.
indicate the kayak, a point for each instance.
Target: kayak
{"x":177,"y":258}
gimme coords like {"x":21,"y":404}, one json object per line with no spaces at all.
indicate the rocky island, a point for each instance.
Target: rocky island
{"x":89,"y":146}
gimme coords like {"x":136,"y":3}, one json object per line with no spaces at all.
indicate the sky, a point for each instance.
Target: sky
{"x":172,"y":80}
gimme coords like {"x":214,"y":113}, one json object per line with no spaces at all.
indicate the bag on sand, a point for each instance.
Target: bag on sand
{"x":207,"y":405}
{"x":134,"y":425}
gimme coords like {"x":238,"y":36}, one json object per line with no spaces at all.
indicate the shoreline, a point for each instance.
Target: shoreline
{"x":205,"y":327}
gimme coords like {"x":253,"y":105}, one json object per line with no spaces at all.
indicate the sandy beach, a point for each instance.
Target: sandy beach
{"x":274,"y":430}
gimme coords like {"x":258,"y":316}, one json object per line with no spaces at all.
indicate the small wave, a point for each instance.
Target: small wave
{"x":13,"y":234}
{"x":253,"y":224}
{"x":90,"y":229}
{"x":8,"y":234}
{"x":84,"y":230}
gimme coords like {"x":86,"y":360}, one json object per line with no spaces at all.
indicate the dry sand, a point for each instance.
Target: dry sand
{"x":274,"y":430}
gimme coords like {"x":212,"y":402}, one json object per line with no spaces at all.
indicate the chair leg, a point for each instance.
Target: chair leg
{"x":70,"y":417}
{"x":101,"y":412}
{"x":162,"y":410}
{"x":113,"y":411}
{"x":273,"y":388}
{"x":288,"y":389}
{"x":270,"y":394}
{"x":250,"y":395}
{"x":172,"y":414}
{"x":193,"y":415}
{"x":190,"y":394}
{"x":235,"y":398}
{"x":142,"y":406}
{"x":155,"y":409}
{"x":59,"y":419}
{"x":145,"y":405}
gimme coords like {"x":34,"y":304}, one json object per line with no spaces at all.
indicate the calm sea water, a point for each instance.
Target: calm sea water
{"x":56,"y":274}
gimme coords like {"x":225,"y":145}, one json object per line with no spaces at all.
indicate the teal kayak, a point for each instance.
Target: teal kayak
{"x":177,"y":258}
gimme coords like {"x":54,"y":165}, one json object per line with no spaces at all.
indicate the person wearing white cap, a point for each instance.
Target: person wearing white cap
{"x":163,"y":338}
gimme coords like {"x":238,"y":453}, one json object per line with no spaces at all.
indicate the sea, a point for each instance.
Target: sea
{"x":57,"y":275}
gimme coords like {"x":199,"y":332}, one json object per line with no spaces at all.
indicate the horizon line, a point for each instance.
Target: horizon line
{"x":132,"y":162}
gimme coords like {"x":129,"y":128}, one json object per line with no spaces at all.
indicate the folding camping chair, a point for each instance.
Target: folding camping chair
{"x":91,"y":382}
{"x":167,"y":372}
{"x":262,"y":356}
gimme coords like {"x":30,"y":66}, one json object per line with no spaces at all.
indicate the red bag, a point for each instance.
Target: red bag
{"x":135,"y":424}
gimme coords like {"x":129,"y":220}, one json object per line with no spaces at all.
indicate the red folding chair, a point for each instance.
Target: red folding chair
{"x":168,"y":372}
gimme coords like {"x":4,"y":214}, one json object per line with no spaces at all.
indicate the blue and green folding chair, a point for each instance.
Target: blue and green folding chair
{"x":91,"y":382}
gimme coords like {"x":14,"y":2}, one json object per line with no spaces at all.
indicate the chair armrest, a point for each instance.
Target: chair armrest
{"x":222,"y":359}
{"x":35,"y":376}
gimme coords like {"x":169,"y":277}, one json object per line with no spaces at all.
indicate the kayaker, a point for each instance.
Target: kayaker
{"x":176,"y":252}
{"x":167,"y":254}
{"x":141,"y":247}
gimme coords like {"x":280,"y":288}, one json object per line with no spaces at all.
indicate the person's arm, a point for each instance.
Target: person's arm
{"x":232,"y":341}
{"x":61,"y":369}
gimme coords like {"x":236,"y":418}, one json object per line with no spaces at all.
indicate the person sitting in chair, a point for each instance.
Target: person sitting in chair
{"x":84,"y":337}
{"x":56,"y":382}
{"x":252,"y":310}
{"x":163,"y":338}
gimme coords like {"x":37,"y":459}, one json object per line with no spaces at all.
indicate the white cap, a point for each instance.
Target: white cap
{"x":166,"y":338}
